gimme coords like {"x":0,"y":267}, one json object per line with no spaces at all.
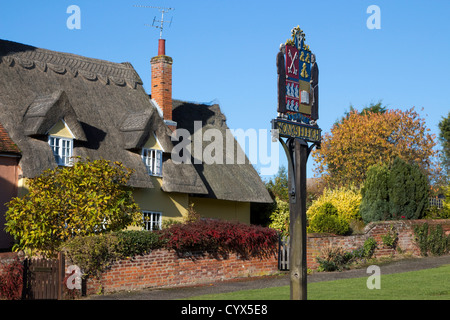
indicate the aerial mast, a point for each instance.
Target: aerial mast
{"x":159,"y":23}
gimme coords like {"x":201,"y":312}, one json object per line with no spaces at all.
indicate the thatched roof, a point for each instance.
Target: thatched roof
{"x":109,"y":113}
{"x":228,"y":180}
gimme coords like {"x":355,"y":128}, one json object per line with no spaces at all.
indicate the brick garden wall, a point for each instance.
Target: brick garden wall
{"x":163,"y":268}
{"x":404,"y":229}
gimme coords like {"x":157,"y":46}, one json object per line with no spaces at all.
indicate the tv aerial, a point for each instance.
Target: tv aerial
{"x":159,"y":24}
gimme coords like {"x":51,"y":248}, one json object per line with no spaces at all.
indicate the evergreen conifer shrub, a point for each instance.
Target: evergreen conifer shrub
{"x":395,"y":191}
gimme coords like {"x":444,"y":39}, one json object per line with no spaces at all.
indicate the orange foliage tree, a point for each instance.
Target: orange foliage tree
{"x":363,"y":139}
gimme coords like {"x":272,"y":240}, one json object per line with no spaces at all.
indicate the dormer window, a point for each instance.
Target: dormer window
{"x":152,"y":159}
{"x":152,"y":156}
{"x":60,"y":139}
{"x":62,"y":150}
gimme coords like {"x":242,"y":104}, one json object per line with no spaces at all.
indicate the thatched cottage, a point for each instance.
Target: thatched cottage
{"x":57,"y":105}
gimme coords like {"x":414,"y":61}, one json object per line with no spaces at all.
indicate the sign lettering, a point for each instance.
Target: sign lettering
{"x":296,"y":130}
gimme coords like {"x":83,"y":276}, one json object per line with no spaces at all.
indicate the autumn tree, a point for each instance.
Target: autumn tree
{"x":361,"y":140}
{"x":90,"y":197}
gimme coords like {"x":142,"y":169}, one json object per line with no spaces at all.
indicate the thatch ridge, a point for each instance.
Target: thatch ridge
{"x":90,"y":69}
{"x":226,"y":181}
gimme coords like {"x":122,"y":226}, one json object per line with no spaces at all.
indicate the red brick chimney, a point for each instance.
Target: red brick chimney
{"x":162,"y":83}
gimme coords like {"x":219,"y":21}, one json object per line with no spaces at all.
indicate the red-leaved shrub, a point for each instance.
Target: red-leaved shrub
{"x":11,"y":281}
{"x":221,"y":236}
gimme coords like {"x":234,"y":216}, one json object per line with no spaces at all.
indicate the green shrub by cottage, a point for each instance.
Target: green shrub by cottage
{"x":135,"y":243}
{"x":327,"y":220}
{"x":87,"y":198}
{"x":96,"y":253}
{"x":93,"y":254}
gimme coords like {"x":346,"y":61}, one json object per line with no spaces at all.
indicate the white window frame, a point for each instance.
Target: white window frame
{"x":151,"y":220}
{"x":152,"y":159}
{"x":62,"y":149}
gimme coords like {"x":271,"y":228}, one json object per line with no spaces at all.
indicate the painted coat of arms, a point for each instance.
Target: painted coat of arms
{"x":298,"y":79}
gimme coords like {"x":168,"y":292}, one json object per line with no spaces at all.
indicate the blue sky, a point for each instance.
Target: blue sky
{"x":225,"y":50}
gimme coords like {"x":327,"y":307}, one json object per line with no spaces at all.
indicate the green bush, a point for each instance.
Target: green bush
{"x":333,"y":259}
{"x":431,"y":240}
{"x":375,"y":195}
{"x":408,"y":191}
{"x":280,"y":217}
{"x":434,"y":212}
{"x":336,"y":258}
{"x":394,"y":191}
{"x":93,"y":254}
{"x":73,"y":200}
{"x":365,"y":251}
{"x":390,"y":239}
{"x":327,"y":220}
{"x":96,"y":253}
{"x":345,"y":199}
{"x":446,"y":208}
{"x":135,"y":243}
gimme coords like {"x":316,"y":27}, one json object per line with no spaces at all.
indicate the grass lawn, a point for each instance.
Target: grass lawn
{"x":428,"y":284}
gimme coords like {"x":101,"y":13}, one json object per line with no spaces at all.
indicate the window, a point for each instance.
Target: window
{"x":152,"y":220}
{"x":62,"y":150}
{"x":153,"y":161}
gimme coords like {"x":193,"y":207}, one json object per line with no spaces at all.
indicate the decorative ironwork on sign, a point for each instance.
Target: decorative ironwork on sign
{"x":298,"y":89}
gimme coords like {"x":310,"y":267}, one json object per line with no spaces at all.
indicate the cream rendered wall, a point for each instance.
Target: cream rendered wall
{"x":171,"y":205}
{"x":222,"y":209}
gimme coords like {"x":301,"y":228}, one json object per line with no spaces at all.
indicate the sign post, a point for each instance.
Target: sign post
{"x":297,"y":121}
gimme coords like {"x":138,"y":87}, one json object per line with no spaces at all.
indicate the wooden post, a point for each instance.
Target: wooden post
{"x":60,"y":276}
{"x":297,"y":208}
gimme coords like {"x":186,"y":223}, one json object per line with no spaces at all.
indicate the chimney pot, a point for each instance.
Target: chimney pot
{"x":162,"y":47}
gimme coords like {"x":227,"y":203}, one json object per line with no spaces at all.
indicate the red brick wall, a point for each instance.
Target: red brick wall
{"x":163,"y":268}
{"x":376,"y":230}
